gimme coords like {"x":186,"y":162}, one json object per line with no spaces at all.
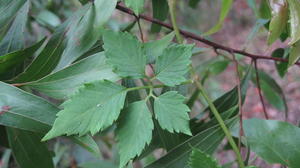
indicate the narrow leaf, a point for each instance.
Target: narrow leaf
{"x":124,"y":52}
{"x":14,"y":38}
{"x":48,"y":59}
{"x":274,"y":141}
{"x":86,"y":32}
{"x":226,"y":6}
{"x":294,"y":6}
{"x":294,"y":54}
{"x":8,"y":9}
{"x":279,"y":19}
{"x":171,"y":113}
{"x":63,"y":83}
{"x":93,"y":108}
{"x":173,"y":64}
{"x":160,"y":11}
{"x":15,"y":58}
{"x":206,"y":141}
{"x":134,"y":131}
{"x":28,"y":149}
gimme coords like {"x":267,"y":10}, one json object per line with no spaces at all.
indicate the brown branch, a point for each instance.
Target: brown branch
{"x":259,"y":89}
{"x":201,"y":39}
{"x":240,"y":103}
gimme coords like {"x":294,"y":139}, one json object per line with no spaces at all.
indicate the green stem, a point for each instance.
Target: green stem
{"x":172,"y":9}
{"x":144,"y":87}
{"x":221,"y":123}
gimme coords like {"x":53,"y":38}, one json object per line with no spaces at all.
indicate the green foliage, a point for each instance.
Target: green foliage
{"x":294,"y":7}
{"x":274,"y":141}
{"x":279,"y":19}
{"x":14,"y":38}
{"x":28,"y":149}
{"x":199,"y":159}
{"x":171,"y":113}
{"x":226,"y":6}
{"x":89,"y":114}
{"x":136,"y":5}
{"x":173,"y":64}
{"x":89,"y":78}
{"x":124,"y":52}
{"x":64,"y":83}
{"x":134,"y":131}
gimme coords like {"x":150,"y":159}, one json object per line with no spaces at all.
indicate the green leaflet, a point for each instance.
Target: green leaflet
{"x":226,"y":6}
{"x":160,"y":11}
{"x":294,"y":54}
{"x":173,"y":64}
{"x":279,"y":19}
{"x":274,"y":141}
{"x":48,"y":59}
{"x":124,"y":52}
{"x":294,"y":6}
{"x":136,"y":5}
{"x":93,"y":108}
{"x":199,"y":159}
{"x":25,"y":111}
{"x":171,"y":112}
{"x":15,"y":58}
{"x":86,"y":32}
{"x":206,"y":141}
{"x":134,"y":131}
{"x":8,"y":9}
{"x":155,"y":48}
{"x":63,"y":83}
{"x":14,"y":38}
{"x":28,"y":149}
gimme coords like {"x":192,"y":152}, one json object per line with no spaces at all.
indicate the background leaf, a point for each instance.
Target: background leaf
{"x":160,"y":11}
{"x":294,"y":53}
{"x":8,"y":9}
{"x":294,"y":6}
{"x":10,"y":60}
{"x":14,"y":38}
{"x":64,"y":83}
{"x":206,"y":141}
{"x":28,"y":149}
{"x":274,"y":141}
{"x":86,"y":32}
{"x":136,"y":5}
{"x":279,"y":19}
{"x":226,"y":6}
